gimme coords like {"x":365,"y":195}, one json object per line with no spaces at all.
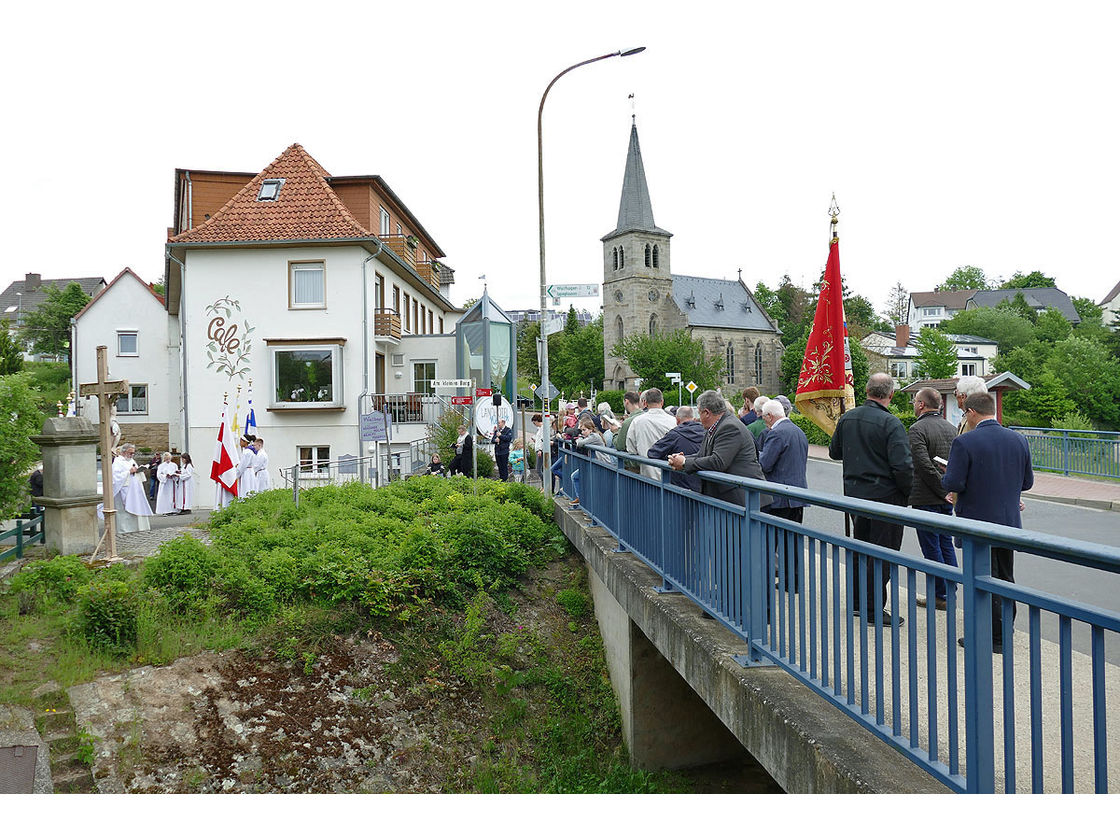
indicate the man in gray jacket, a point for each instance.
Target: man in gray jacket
{"x":931,"y":437}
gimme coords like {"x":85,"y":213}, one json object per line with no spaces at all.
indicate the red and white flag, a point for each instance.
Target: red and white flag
{"x":224,"y":467}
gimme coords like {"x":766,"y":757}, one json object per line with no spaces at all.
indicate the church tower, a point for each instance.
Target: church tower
{"x":637,"y":284}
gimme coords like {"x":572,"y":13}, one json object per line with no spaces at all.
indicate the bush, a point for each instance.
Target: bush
{"x":1074,"y":421}
{"x":813,"y":432}
{"x":612,"y":397}
{"x":56,"y":580}
{"x":485,"y":462}
{"x":107,"y":614}
{"x":184,"y":570}
{"x":445,"y":432}
{"x":574,"y":602}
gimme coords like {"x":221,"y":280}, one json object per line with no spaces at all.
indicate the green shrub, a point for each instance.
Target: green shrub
{"x":612,"y":397}
{"x":445,"y":432}
{"x":1074,"y":421}
{"x":107,"y":614}
{"x":183,"y":569}
{"x":485,"y":463}
{"x":56,"y":580}
{"x":574,"y":602}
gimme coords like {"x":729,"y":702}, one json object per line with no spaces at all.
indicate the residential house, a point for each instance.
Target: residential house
{"x":324,"y":294}
{"x":1110,"y":306}
{"x":24,"y":296}
{"x":130,"y":319}
{"x":897,"y":353}
{"x":1038,"y":299}
{"x":642,"y":296}
{"x":929,"y":309}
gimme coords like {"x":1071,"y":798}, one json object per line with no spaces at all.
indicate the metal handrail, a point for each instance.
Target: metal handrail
{"x":1074,"y":451}
{"x":737,"y":563}
{"x":32,"y":528}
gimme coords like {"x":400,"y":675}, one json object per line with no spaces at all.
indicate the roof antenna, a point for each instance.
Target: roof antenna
{"x":633,"y":110}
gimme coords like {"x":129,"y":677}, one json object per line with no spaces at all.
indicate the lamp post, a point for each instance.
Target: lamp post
{"x":547,"y":444}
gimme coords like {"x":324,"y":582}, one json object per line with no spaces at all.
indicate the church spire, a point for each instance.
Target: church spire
{"x":635,"y":211}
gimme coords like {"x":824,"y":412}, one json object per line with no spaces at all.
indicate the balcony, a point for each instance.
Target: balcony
{"x":411,"y":407}
{"x":426,"y":270}
{"x":386,"y":325}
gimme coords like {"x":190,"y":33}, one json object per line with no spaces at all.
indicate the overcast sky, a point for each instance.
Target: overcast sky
{"x":951,"y":133}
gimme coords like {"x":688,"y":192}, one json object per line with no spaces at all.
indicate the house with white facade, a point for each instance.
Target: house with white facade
{"x":897,"y":353}
{"x":22,"y":297}
{"x":130,"y":319}
{"x":1110,"y":308}
{"x":929,"y":309}
{"x":324,"y":292}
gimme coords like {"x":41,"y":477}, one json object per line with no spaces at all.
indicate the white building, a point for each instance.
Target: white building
{"x":897,"y":353}
{"x":929,"y":309}
{"x":325,"y":293}
{"x":130,"y":319}
{"x":1110,"y":308}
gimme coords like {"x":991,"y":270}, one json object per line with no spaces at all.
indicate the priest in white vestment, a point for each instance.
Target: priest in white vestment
{"x":129,"y":498}
{"x":167,"y":473}
{"x":246,"y":485}
{"x":262,"y":480}
{"x":184,"y":493}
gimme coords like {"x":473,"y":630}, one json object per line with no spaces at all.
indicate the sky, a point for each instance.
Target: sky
{"x":951,"y":133}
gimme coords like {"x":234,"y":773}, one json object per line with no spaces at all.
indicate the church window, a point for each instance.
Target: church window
{"x":621,"y":257}
{"x":656,"y":257}
{"x":730,"y":364}
{"x":653,"y":324}
{"x":649,"y":256}
{"x":620,"y":328}
{"x":758,"y":363}
{"x":614,"y":252}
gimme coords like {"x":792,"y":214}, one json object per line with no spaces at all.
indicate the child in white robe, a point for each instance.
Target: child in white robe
{"x":165,"y":501}
{"x":184,"y":496}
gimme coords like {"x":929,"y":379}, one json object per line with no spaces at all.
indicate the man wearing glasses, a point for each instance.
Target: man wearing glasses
{"x":728,"y":448}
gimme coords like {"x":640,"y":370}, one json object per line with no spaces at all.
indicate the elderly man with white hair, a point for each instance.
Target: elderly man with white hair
{"x":130,"y":500}
{"x":966,"y":387}
{"x":784,"y":459}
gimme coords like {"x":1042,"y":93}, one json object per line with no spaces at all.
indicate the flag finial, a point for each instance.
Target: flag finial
{"x":834,"y":212}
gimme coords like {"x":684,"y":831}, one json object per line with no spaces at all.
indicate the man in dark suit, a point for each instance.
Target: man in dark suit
{"x":931,"y":436}
{"x":687,"y":437}
{"x":784,"y":459}
{"x":873,"y":445}
{"x":501,"y":439}
{"x":988,"y":468}
{"x":728,"y":448}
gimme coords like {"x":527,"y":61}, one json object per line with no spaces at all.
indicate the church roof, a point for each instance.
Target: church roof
{"x":304,"y":208}
{"x":707,"y":302}
{"x":635,"y":211}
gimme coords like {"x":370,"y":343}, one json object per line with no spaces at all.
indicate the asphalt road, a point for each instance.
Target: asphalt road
{"x":1089,"y":586}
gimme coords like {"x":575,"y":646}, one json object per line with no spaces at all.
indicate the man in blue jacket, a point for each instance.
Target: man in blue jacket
{"x":687,"y":437}
{"x":784,"y":459}
{"x":988,"y":468}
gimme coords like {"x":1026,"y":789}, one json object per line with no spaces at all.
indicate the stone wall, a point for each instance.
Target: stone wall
{"x":147,"y":437}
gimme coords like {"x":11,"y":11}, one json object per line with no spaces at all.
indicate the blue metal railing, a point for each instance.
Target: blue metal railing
{"x":1073,"y":452}
{"x":784,"y":588}
{"x":26,"y":532}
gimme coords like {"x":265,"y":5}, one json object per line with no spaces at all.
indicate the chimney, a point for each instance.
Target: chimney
{"x":31,"y":282}
{"x":901,"y":335}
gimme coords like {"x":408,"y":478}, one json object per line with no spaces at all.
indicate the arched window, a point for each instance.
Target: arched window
{"x":656,"y":257}
{"x":730,"y":364}
{"x":614,"y":252}
{"x":653,"y":324}
{"x":621,"y":256}
{"x":620,"y":329}
{"x":758,"y":363}
{"x":648,"y":257}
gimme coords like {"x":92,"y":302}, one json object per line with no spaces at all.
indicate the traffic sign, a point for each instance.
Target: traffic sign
{"x":691,"y":387}
{"x":552,"y":325}
{"x":461,"y":400}
{"x":451,"y":383}
{"x":672,"y":375}
{"x":546,"y":391}
{"x":483,"y":392}
{"x":573,"y":290}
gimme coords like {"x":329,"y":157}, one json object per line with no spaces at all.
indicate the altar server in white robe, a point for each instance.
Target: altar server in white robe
{"x":184,"y":496}
{"x":165,"y":501}
{"x":262,"y":480}
{"x":246,"y":485}
{"x":130,"y":500}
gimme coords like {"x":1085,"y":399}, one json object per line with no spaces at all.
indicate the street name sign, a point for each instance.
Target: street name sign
{"x":461,"y":400}
{"x":451,"y":383}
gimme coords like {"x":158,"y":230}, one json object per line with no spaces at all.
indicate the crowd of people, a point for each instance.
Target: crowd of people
{"x":977,"y":470}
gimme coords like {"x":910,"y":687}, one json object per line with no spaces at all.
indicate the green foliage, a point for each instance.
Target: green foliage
{"x":1087,"y":370}
{"x":87,"y":747}
{"x":46,"y":329}
{"x":813,"y":432}
{"x":650,"y":356}
{"x":1008,"y":329}
{"x":107,"y":612}
{"x":898,"y":302}
{"x":183,"y":571}
{"x":1019,"y":306}
{"x":614,"y":398}
{"x":1051,"y":327}
{"x":51,"y":582}
{"x":527,"y":334}
{"x":1034,"y":280}
{"x":574,"y":602}
{"x":575,"y":357}
{"x":11,"y":353}
{"x":444,"y":433}
{"x":964,"y":277}
{"x":52,"y":382}
{"x":937,"y":355}
{"x":17,"y":453}
{"x":1087,"y":310}
{"x":484,"y":462}
{"x":465,"y":654}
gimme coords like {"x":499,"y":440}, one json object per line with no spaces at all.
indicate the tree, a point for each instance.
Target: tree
{"x":651,"y":356}
{"x":898,"y":302}
{"x":1034,"y":280}
{"x":964,"y":277}
{"x":46,"y":329}
{"x":1019,"y":306}
{"x":1088,"y":372}
{"x":571,"y":324}
{"x":859,"y":312}
{"x":527,"y":334}
{"x":1007,"y":328}
{"x":17,"y":453}
{"x":1087,"y":310}
{"x":11,"y":354}
{"x":575,"y":359}
{"x":937,"y":355}
{"x":1052,"y":327}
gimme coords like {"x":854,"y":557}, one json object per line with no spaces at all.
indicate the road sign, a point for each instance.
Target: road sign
{"x":461,"y":400}
{"x":673,"y":376}
{"x":451,"y":383}
{"x":546,"y":391}
{"x":573,"y":290}
{"x":483,"y":392}
{"x":553,"y":325}
{"x":691,"y":387}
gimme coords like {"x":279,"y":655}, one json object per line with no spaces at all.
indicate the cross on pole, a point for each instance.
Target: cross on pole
{"x":106,"y":391}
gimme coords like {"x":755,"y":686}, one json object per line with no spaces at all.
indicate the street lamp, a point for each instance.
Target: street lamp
{"x":546,"y":473}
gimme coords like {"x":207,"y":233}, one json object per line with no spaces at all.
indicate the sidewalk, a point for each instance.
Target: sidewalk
{"x":1051,"y":487}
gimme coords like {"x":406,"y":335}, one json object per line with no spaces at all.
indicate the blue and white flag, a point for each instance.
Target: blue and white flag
{"x":250,"y":416}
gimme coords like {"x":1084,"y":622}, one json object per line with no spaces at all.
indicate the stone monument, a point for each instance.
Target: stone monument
{"x":70,"y":497}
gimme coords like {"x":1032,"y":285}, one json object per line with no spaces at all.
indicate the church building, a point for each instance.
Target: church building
{"x":640,"y":293}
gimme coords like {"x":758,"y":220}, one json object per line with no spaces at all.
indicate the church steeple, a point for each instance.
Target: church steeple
{"x":635,"y":211}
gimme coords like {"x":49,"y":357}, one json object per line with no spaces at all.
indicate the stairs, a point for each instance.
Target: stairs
{"x":54,"y":718}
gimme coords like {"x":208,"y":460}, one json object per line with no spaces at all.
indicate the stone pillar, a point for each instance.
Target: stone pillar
{"x":70,"y":497}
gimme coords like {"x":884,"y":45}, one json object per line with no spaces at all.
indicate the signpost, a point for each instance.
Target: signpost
{"x":452,"y":383}
{"x":461,"y":400}
{"x":559,"y":290}
{"x":675,"y":378}
{"x":691,"y":388}
{"x":552,"y":325}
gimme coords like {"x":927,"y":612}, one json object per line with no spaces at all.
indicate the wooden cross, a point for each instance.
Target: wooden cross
{"x":106,"y":391}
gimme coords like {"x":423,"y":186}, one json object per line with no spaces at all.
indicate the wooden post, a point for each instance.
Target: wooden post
{"x":106,"y":392}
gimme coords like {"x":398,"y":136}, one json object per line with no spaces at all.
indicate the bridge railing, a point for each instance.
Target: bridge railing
{"x":785,"y":588}
{"x":1073,"y":452}
{"x":26,"y":532}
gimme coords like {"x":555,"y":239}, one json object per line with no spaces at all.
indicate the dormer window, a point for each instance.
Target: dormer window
{"x":746,"y":306}
{"x":270,"y":189}
{"x":719,"y":303}
{"x":690,"y":301}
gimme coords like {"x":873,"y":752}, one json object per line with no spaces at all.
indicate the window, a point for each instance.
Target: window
{"x":135,"y":401}
{"x":423,"y":317}
{"x":968,"y":370}
{"x":397,"y":300}
{"x":931,"y":311}
{"x":127,"y":344}
{"x":620,"y":329}
{"x":656,"y":257}
{"x":314,"y":459}
{"x":653,"y":324}
{"x":400,"y":230}
{"x":621,"y":257}
{"x":441,"y":326}
{"x":422,"y":375}
{"x":384,"y":222}
{"x":900,"y":370}
{"x":407,"y":309}
{"x":649,"y":256}
{"x":307,"y":375}
{"x":270,"y":189}
{"x":730,"y":364}
{"x":614,"y":253}
{"x":431,"y":322}
{"x":758,"y":363}
{"x":417,"y":324}
{"x":307,"y":286}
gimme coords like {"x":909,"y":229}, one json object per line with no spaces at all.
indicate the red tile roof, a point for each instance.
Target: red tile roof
{"x":305,"y":208}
